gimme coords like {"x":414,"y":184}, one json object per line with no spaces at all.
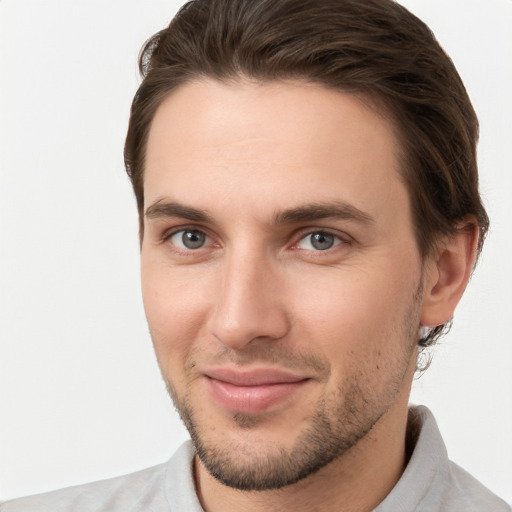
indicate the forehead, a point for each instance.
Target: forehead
{"x":260,"y":145}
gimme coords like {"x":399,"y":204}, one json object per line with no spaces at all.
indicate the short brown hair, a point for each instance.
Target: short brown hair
{"x":376,"y":48}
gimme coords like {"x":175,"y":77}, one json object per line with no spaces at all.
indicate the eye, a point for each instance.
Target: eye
{"x":189,"y":239}
{"x":319,"y":241}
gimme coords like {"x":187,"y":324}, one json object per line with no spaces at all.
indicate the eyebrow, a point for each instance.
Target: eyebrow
{"x":170,"y":209}
{"x":304,"y":213}
{"x":317,"y":211}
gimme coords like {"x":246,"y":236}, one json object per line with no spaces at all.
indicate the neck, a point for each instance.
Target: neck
{"x":355,"y":482}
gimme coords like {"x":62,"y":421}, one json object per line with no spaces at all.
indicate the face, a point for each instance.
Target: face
{"x":280,"y":274}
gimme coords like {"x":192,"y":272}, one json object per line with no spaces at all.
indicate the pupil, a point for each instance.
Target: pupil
{"x":193,"y":239}
{"x":322,"y":241}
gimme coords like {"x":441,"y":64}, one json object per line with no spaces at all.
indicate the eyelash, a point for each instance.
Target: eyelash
{"x":340,"y":239}
{"x":167,"y":236}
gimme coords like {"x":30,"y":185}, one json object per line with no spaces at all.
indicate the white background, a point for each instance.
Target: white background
{"x":80,"y":393}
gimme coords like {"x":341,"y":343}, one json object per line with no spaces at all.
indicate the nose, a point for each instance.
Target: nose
{"x":249,"y":305}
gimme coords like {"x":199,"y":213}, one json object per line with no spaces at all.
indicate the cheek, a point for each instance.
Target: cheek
{"x":175,"y":308}
{"x":356,"y":315}
{"x":344,"y":301}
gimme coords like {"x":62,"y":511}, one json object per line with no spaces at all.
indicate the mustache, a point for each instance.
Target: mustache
{"x":268,"y":355}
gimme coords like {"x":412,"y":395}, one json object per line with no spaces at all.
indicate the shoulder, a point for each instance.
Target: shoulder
{"x":470,"y":493}
{"x":112,"y":495}
{"x":149,"y":490}
{"x":431,"y":482}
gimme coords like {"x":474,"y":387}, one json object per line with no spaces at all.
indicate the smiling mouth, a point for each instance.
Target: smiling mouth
{"x":252,"y":392}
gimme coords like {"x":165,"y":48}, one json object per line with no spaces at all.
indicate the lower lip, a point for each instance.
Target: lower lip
{"x":251,"y":399}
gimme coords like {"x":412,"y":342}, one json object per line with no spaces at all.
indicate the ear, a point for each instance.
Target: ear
{"x":447,"y":273}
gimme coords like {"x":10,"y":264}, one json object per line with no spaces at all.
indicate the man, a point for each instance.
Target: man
{"x":306,"y":181}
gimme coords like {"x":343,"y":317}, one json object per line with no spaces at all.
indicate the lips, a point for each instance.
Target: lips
{"x":254,"y":391}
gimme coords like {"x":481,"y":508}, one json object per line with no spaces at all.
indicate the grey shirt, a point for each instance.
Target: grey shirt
{"x":430,"y":483}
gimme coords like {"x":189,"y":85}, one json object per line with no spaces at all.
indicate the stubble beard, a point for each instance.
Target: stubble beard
{"x":245,"y":467}
{"x":337,"y":424}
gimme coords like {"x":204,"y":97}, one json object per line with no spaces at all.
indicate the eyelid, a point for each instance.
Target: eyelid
{"x":309,"y":230}
{"x":298,"y":236}
{"x":170,"y":232}
{"x":343,"y":237}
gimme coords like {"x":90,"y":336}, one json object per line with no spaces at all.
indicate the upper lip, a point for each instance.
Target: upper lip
{"x":254,"y":377}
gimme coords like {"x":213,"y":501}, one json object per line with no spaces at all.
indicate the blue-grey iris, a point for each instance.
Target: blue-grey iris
{"x":193,"y":239}
{"x":322,"y":241}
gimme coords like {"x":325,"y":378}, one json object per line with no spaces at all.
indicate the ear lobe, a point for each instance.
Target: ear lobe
{"x":447,"y":274}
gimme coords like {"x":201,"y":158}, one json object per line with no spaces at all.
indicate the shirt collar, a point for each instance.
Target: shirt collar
{"x":428,"y":466}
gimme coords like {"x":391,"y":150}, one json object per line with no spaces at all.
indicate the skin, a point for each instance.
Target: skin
{"x":242,"y":164}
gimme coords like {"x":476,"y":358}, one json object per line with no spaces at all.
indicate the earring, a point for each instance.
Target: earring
{"x":423,"y":335}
